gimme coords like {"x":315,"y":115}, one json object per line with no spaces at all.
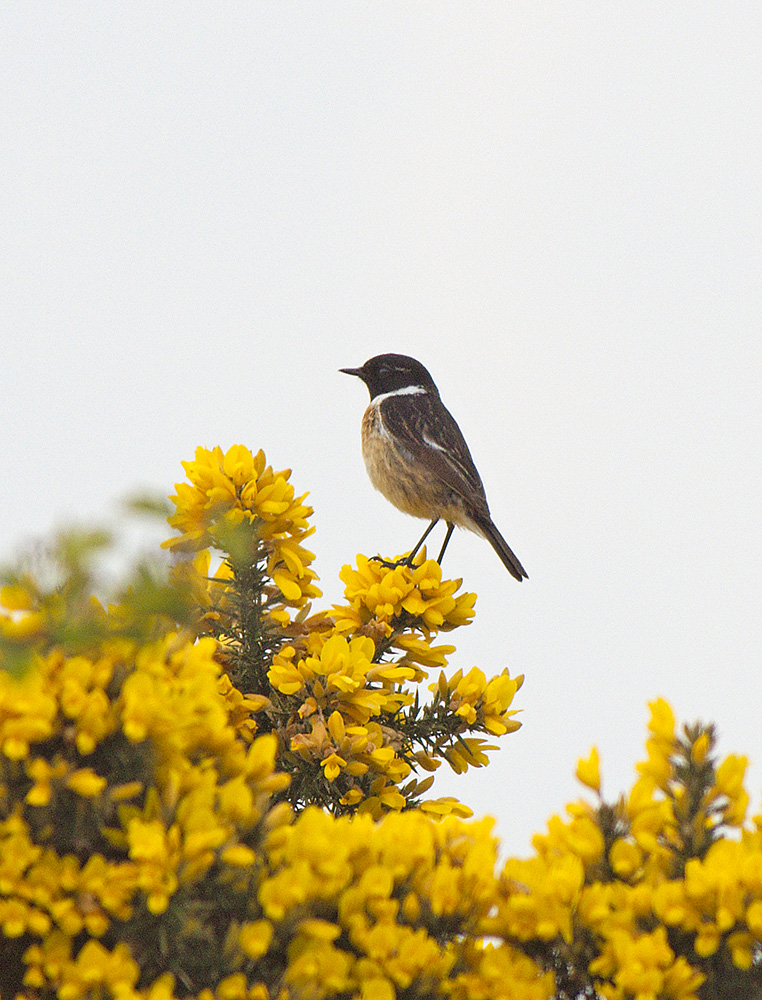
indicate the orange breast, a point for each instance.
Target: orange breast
{"x":411,"y":487}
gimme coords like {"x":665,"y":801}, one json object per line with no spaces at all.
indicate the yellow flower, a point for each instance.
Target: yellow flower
{"x":157,"y":853}
{"x":96,"y":967}
{"x":589,"y":771}
{"x":332,"y":766}
{"x":232,"y":987}
{"x":86,"y":782}
{"x":16,"y":597}
{"x":730,"y":776}
{"x":254,"y":938}
{"x":22,"y":626}
{"x":377,"y":593}
{"x":27,"y":712}
{"x":43,"y":775}
{"x":377,"y":989}
{"x":235,"y":502}
{"x":700,"y":748}
{"x":662,"y":723}
{"x":625,"y":858}
{"x":286,"y":676}
{"x":480,"y":703}
{"x":445,"y":806}
{"x":754,"y":918}
{"x":670,"y":904}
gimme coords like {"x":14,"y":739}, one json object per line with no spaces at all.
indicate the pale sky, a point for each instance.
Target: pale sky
{"x":210,"y":208}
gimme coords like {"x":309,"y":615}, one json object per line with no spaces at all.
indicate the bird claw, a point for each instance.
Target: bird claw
{"x":391,"y":563}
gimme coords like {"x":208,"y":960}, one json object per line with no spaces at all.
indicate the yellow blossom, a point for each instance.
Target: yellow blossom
{"x":332,"y":766}
{"x":730,"y":776}
{"x":16,"y":597}
{"x":254,"y":938}
{"x":27,"y":712}
{"x":700,"y":748}
{"x":97,"y":966}
{"x":589,"y":771}
{"x":625,"y":858}
{"x":376,"y":592}
{"x":86,"y":782}
{"x":662,"y":723}
{"x":231,"y":492}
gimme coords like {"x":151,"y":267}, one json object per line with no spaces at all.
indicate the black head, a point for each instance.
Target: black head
{"x":387,"y":372}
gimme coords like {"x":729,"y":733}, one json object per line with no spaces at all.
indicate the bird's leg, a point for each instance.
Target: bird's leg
{"x":408,"y":560}
{"x":424,"y":536}
{"x":450,"y":529}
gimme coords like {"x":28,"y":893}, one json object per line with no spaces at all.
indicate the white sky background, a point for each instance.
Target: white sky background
{"x":209,"y":208}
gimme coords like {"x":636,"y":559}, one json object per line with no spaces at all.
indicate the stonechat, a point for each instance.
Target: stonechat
{"x":417,"y":457}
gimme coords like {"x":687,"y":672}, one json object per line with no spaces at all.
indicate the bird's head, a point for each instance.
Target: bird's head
{"x":390,"y":372}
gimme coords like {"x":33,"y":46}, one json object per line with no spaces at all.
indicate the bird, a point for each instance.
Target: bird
{"x":417,"y":457}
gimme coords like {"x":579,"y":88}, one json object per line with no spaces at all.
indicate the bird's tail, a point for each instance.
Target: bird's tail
{"x":503,"y":549}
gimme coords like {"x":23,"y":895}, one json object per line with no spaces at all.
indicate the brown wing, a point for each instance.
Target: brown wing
{"x":422,"y":425}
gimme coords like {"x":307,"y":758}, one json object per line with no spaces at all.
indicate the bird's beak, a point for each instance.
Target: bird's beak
{"x":353,"y":371}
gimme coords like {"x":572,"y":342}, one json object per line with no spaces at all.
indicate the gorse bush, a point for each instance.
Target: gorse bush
{"x":339,"y":688}
{"x":208,"y":788}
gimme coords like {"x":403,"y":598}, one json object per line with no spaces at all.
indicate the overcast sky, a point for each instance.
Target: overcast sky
{"x":209,"y":208}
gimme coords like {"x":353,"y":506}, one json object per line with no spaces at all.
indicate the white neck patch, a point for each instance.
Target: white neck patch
{"x":406,"y":390}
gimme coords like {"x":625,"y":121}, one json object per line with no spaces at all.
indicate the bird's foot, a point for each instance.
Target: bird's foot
{"x":392,"y":563}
